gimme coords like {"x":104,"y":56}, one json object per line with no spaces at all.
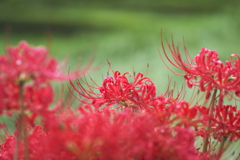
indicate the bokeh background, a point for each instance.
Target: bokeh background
{"x":125,"y":32}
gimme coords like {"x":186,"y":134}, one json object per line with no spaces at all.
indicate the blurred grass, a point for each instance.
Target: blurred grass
{"x":126,"y":33}
{"x":132,"y":39}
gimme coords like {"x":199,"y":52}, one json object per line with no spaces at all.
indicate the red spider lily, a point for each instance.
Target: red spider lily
{"x":37,"y":98}
{"x":223,"y":122}
{"x":187,"y":116}
{"x":23,"y":64}
{"x":206,"y":71}
{"x":118,"y":90}
{"x":226,"y":122}
{"x":30,"y":63}
{"x":103,"y":135}
{"x":7,"y":148}
{"x":9,"y":95}
{"x":179,"y":114}
{"x":162,"y":127}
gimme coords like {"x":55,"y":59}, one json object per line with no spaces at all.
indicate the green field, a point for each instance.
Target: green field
{"x":128,"y":37}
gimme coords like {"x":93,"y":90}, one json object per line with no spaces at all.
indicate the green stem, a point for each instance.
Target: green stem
{"x":22,"y":129}
{"x":211,"y":107}
{"x":221,"y":148}
{"x":221,"y":97}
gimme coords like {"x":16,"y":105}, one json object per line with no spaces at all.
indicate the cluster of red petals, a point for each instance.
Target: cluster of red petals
{"x":140,"y":95}
{"x":37,"y":98}
{"x":145,"y":126}
{"x":33,"y":67}
{"x":9,"y":95}
{"x":183,"y":115}
{"x":225,"y":121}
{"x":207,"y":72}
{"x":106,"y":135}
{"x":119,"y":90}
{"x":30,"y":62}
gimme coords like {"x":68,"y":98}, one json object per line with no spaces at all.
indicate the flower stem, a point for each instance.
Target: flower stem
{"x":211,"y":107}
{"x":22,"y":129}
{"x":221,"y":148}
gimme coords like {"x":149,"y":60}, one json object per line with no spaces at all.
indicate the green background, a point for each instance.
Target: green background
{"x":127,"y":33}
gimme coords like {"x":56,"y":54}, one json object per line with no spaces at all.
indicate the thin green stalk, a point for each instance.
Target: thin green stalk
{"x":211,"y":107}
{"x":22,"y":129}
{"x":221,"y":148}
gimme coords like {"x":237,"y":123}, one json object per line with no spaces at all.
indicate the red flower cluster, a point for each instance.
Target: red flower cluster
{"x":118,"y":90}
{"x":37,"y":98}
{"x":122,"y":119}
{"x":29,"y":66}
{"x":225,"y":121}
{"x":106,"y":135}
{"x":207,"y":72}
{"x":217,"y":80}
{"x":25,"y":61}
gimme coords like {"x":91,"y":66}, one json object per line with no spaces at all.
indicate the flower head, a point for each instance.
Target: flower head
{"x":206,"y":71}
{"x":30,"y":63}
{"x":226,"y":122}
{"x":37,"y":98}
{"x":118,"y":90}
{"x":25,"y":72}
